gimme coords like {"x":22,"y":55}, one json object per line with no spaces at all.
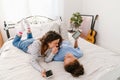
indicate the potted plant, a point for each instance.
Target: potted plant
{"x":76,"y":20}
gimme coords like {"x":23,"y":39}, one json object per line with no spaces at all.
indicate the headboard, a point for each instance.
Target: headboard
{"x":33,"y":20}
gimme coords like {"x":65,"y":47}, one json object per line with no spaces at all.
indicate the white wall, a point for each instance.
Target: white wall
{"x":71,"y":6}
{"x":107,"y":25}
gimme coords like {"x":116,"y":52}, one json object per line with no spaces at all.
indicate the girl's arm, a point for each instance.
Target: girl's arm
{"x":34,"y":51}
{"x":49,"y":57}
{"x":35,"y":63}
{"x":50,"y":54}
{"x":38,"y":67}
{"x":35,"y":59}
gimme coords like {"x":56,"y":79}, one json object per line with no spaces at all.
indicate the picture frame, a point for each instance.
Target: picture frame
{"x":86,"y":24}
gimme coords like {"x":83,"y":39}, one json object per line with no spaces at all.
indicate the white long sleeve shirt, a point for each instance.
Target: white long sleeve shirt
{"x":35,"y":50}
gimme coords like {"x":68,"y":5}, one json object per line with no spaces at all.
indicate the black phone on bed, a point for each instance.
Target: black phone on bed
{"x":49,"y":73}
{"x":76,"y":34}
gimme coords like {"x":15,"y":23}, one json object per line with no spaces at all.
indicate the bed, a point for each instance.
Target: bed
{"x":99,"y":63}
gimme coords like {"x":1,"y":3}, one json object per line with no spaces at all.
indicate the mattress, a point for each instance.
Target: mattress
{"x":97,"y":62}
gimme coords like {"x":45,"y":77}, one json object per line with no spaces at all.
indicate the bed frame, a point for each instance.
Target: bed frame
{"x":85,"y":26}
{"x":33,"y":20}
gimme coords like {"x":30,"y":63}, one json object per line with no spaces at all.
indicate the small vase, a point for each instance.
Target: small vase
{"x":74,"y":27}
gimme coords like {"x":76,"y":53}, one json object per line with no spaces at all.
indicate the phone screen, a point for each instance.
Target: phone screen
{"x":76,"y":34}
{"x":49,"y":73}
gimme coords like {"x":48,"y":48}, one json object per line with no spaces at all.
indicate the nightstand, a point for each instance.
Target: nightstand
{"x":1,"y":40}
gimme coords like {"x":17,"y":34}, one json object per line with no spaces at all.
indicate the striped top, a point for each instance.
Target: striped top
{"x":35,"y":50}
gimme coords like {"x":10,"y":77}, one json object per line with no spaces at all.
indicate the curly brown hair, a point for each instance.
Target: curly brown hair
{"x":47,"y":38}
{"x":75,"y":68}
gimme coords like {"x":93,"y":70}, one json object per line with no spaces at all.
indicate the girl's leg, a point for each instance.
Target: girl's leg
{"x":27,"y":26}
{"x":17,"y":39}
{"x":29,"y":33}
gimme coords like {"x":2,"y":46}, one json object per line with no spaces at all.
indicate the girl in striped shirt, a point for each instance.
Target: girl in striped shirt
{"x":48,"y":44}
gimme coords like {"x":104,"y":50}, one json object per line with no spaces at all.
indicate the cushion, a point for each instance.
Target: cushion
{"x":64,"y":31}
{"x":39,"y":30}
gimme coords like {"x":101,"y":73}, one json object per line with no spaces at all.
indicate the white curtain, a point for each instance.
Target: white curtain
{"x":15,"y":10}
{"x":50,"y":8}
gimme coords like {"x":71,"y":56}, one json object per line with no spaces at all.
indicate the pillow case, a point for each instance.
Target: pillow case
{"x":38,"y":30}
{"x":63,"y":31}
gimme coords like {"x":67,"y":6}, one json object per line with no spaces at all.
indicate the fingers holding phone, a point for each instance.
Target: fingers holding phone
{"x":43,"y":73}
{"x":49,"y":73}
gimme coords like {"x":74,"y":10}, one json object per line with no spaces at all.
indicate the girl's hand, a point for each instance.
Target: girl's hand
{"x":54,"y":50}
{"x":43,"y":73}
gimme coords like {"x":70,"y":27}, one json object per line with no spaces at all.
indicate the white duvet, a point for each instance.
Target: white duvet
{"x":97,"y":62}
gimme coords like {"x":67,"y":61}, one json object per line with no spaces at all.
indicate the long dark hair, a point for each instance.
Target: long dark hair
{"x":47,"y":38}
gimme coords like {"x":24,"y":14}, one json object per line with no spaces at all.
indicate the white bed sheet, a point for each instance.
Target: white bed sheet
{"x":97,"y":61}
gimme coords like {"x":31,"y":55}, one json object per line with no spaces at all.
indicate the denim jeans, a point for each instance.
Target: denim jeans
{"x":23,"y":44}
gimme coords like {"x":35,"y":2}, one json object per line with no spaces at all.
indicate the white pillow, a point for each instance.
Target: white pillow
{"x":39,"y":30}
{"x":61,"y":28}
{"x":64,"y":31}
{"x":55,"y":27}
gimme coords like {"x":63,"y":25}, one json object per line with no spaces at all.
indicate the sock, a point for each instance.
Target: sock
{"x":27,"y":25}
{"x":19,"y":29}
{"x":28,"y":30}
{"x":20,"y":33}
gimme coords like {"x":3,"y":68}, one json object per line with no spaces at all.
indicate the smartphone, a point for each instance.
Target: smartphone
{"x":76,"y":34}
{"x":49,"y":73}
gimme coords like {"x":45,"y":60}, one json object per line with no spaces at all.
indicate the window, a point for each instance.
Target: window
{"x":15,"y":10}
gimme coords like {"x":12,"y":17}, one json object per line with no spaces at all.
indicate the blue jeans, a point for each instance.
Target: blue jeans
{"x":23,"y":44}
